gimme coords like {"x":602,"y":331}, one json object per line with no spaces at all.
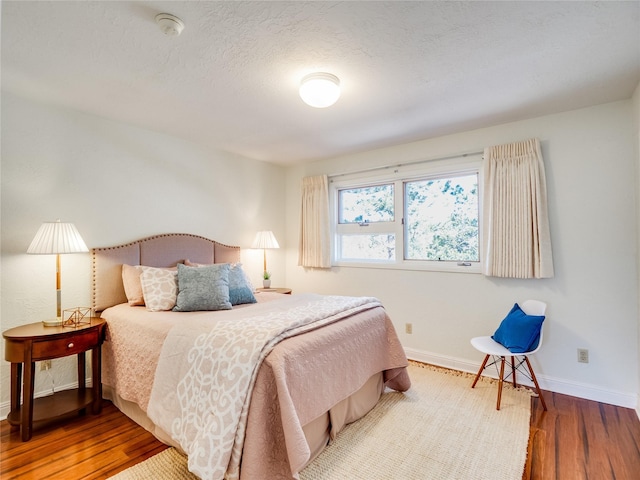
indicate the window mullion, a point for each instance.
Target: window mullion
{"x":399,"y":223}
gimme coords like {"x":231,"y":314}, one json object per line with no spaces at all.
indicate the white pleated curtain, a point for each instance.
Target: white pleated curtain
{"x":315,"y":236}
{"x":517,"y":242}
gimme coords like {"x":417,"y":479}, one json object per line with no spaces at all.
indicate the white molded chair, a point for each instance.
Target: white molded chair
{"x":491,"y":348}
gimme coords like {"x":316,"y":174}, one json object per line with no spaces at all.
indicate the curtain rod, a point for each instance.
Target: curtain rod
{"x":417,"y":162}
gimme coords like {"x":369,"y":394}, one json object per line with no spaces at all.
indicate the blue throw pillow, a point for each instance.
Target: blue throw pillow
{"x":519,"y":332}
{"x":240,"y":289}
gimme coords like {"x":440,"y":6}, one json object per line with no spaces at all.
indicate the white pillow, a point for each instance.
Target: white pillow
{"x":159,"y":287}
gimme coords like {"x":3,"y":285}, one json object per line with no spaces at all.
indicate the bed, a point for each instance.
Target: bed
{"x":254,"y":389}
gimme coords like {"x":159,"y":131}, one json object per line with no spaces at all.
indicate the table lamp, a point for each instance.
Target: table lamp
{"x":265,"y":239}
{"x":57,"y":238}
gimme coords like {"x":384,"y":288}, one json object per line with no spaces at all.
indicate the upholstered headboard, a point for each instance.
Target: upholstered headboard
{"x":158,"y":251}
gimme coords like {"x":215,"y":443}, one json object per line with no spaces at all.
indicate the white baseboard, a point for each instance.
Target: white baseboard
{"x":566,"y":387}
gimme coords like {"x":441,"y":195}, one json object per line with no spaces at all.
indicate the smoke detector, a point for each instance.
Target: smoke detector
{"x":170,"y":25}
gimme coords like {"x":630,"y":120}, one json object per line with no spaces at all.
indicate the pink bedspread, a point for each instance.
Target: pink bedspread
{"x":302,"y":377}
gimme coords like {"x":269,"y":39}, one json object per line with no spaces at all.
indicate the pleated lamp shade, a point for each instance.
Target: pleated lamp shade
{"x":265,"y":239}
{"x":57,"y":237}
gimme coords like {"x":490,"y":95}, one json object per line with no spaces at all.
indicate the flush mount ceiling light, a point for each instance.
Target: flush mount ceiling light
{"x":170,"y":25}
{"x":320,"y":90}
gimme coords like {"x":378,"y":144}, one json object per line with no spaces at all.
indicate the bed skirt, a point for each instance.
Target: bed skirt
{"x":318,"y":432}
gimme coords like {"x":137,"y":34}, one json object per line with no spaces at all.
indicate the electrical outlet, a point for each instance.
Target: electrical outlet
{"x":45,"y":365}
{"x":408,"y":328}
{"x":583,"y":355}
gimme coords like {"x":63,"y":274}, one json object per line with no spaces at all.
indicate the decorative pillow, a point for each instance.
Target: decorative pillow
{"x":132,"y":285}
{"x":159,"y":287}
{"x":519,"y":332}
{"x":240,"y":287}
{"x":203,"y":288}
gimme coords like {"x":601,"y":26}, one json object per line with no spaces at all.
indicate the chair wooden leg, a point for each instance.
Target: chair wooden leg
{"x":535,"y":382}
{"x":500,"y":381}
{"x":513,"y":371}
{"x":486,"y":358}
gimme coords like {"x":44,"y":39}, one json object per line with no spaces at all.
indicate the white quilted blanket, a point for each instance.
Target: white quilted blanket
{"x":204,"y":378}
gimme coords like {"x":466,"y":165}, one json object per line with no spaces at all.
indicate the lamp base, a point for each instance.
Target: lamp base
{"x":52,"y":322}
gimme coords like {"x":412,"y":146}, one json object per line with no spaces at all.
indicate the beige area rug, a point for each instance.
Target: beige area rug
{"x":440,"y":429}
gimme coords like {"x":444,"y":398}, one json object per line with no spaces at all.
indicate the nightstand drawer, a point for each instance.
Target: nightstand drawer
{"x":65,"y":346}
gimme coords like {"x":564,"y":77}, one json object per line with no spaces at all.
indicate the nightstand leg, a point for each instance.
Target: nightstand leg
{"x":16,"y":381}
{"x":82,"y":368}
{"x":26,"y":423}
{"x":82,"y":377}
{"x":96,"y":378}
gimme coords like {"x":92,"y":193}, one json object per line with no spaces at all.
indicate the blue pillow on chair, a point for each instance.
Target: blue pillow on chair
{"x":519,"y":332}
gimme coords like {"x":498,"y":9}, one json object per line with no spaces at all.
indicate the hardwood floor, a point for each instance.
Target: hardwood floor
{"x":580,"y":439}
{"x":83,"y":447}
{"x":575,"y":439}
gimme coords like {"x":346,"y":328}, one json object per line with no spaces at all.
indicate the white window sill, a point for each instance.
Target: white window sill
{"x":449,"y":267}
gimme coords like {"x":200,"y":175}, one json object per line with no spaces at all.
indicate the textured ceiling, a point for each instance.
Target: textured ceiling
{"x":409,"y":70}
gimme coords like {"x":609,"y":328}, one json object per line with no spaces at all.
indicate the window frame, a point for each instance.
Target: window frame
{"x":355,"y":228}
{"x":399,"y":175}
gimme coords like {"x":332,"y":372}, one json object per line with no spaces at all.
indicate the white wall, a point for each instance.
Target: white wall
{"x":590,"y":160}
{"x":116,"y":183}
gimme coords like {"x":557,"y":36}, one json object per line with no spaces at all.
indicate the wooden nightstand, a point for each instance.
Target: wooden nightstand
{"x":27,"y":344}
{"x":285,"y":291}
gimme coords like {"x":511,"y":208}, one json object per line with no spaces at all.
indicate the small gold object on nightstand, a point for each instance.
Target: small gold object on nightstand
{"x":74,"y":317}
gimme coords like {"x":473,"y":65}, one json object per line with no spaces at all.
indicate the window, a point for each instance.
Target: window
{"x":441,"y":219}
{"x":417,"y":217}
{"x":366,"y":218}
